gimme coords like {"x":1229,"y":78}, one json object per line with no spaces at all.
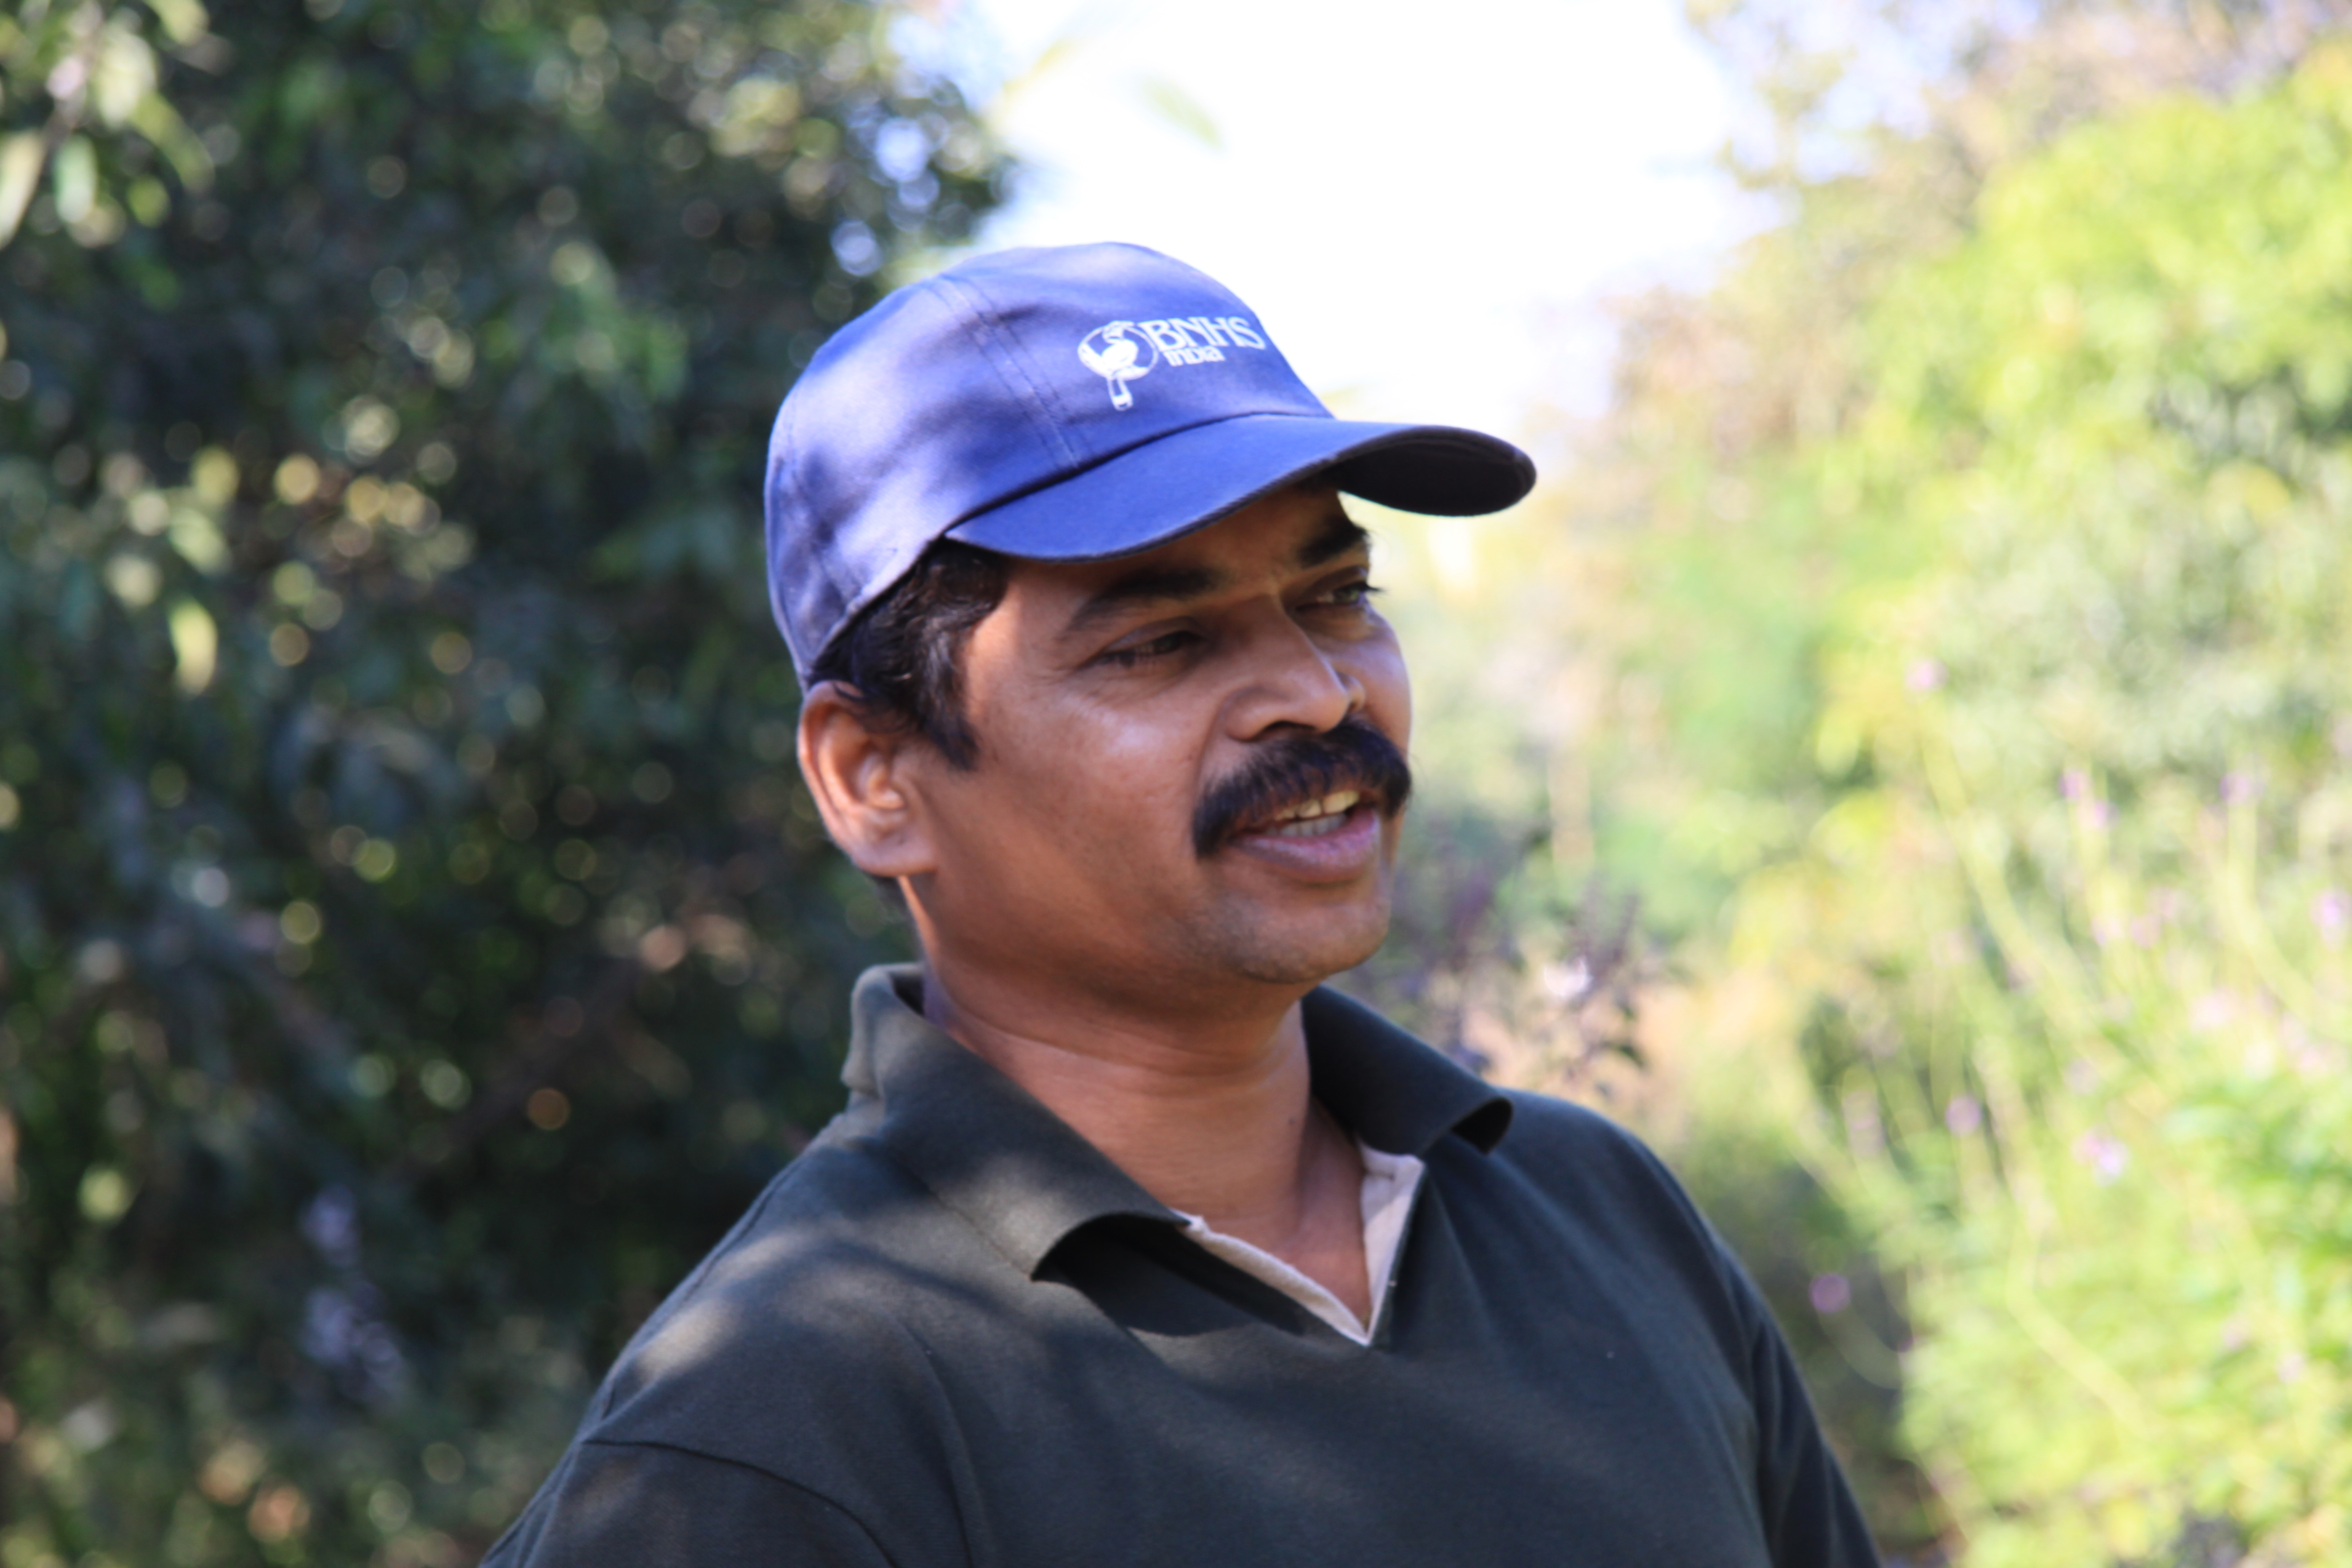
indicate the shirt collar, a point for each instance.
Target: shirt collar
{"x":1390,"y":1088}
{"x":1025,"y":1180}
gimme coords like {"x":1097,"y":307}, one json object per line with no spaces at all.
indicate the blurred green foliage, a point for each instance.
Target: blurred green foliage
{"x":415,"y":945}
{"x":2075,"y":952}
{"x":1956,"y":658}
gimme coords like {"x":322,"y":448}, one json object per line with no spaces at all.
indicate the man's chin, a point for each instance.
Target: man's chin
{"x":1307,"y":956}
{"x":1302,"y":976}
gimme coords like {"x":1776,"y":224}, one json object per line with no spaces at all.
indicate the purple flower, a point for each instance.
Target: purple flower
{"x":2332,"y":912}
{"x":2104,"y":1155}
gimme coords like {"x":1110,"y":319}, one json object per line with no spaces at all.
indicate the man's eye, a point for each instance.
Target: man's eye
{"x":1160,"y":647}
{"x":1350,"y":595}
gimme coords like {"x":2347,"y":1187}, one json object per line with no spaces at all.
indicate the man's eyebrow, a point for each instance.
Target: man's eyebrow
{"x":1145,"y":585}
{"x":1340,"y":533}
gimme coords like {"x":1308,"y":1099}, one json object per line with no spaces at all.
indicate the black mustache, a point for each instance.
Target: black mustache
{"x":1351,"y":755}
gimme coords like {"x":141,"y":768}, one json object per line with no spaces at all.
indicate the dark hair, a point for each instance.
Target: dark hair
{"x":902,"y":655}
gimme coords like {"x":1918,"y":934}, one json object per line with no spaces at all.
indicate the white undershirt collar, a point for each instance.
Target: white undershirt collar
{"x":1389,"y":1183}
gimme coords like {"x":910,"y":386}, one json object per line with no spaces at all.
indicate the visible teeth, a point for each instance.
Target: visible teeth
{"x":1329,"y":805}
{"x":1321,"y":826}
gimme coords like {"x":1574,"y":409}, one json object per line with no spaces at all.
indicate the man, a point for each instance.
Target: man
{"x":1134,"y":1246}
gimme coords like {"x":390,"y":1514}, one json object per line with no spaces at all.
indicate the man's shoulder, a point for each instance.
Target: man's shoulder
{"x":1548,"y":1131}
{"x":1571,"y":1127}
{"x":1603,"y":1179}
{"x":819,"y":1296}
{"x":791,"y":1383}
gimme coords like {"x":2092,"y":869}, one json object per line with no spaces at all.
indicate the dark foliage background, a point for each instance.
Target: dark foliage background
{"x":415,"y":945}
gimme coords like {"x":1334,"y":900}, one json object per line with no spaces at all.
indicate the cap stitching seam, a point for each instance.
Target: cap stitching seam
{"x":999,"y":345}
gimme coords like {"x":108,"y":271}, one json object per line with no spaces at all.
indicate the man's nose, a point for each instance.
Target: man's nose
{"x":1291,"y":681}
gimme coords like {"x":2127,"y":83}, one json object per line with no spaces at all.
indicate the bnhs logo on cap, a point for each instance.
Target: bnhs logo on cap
{"x":1122,"y":351}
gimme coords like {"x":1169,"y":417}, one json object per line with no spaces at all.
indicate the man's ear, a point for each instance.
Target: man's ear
{"x":861,"y":778}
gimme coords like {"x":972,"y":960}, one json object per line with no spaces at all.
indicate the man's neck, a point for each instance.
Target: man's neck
{"x":1214,"y":1118}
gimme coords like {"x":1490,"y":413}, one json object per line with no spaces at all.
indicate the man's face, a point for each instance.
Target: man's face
{"x":1145,"y":727}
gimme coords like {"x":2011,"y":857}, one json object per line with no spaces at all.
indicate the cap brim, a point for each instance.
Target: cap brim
{"x":1152,"y":494}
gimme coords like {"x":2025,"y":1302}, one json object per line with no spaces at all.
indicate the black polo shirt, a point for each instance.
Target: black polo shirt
{"x":953,"y":1332}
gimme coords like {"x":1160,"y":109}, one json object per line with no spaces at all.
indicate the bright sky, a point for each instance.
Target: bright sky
{"x":1424,"y":202}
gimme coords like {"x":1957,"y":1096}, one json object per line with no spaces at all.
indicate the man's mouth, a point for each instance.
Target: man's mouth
{"x":1305,"y":786}
{"x":1315,"y":818}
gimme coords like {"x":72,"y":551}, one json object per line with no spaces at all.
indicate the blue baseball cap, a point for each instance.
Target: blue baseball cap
{"x":1063,"y":404}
